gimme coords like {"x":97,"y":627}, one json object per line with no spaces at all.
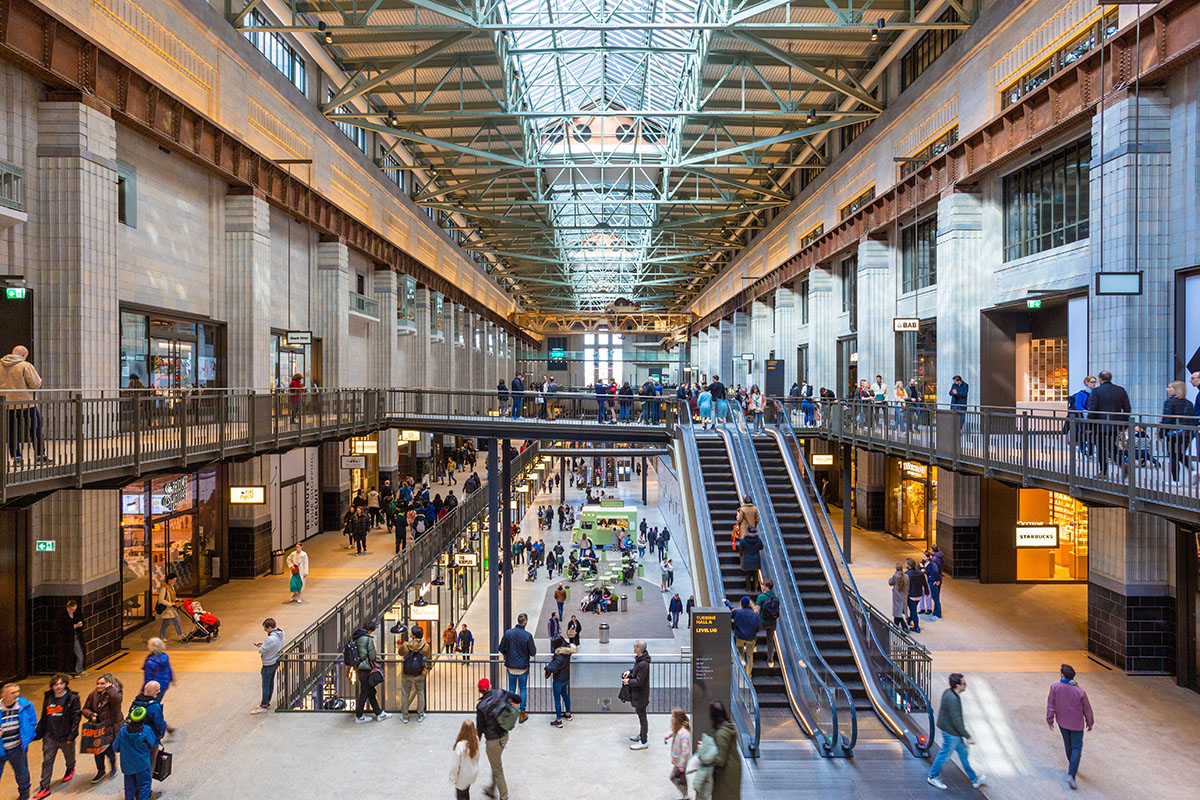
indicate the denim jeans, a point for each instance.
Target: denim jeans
{"x":20,"y":764}
{"x":562,"y":698}
{"x":1073,"y":744}
{"x":162,"y":628}
{"x":519,"y":684}
{"x":758,"y":421}
{"x":809,"y":413}
{"x":949,"y":745}
{"x":913,"y":620}
{"x":516,"y":407}
{"x":935,"y":591}
{"x":268,"y":683}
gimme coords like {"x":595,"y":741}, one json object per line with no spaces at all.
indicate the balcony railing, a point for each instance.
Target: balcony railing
{"x":364,"y":306}
{"x":12,"y":187}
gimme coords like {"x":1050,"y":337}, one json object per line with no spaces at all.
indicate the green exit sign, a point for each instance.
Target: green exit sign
{"x":15,"y":293}
{"x":558,"y":354}
{"x":1033,"y":303}
{"x":45,"y":545}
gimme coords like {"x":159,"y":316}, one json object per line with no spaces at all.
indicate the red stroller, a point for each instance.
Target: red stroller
{"x":204,"y":625}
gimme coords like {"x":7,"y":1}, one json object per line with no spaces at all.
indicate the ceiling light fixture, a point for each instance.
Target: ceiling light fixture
{"x":326,"y":34}
{"x":811,"y":116}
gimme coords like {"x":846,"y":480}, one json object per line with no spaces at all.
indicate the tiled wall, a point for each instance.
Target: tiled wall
{"x":249,"y":550}
{"x":100,"y":611}
{"x":1136,"y":634}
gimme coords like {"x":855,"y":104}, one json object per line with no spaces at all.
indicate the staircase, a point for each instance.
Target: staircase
{"x":723,"y":502}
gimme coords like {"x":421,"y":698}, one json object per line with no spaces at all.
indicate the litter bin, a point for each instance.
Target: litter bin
{"x":603,"y":633}
{"x":641,"y":570}
{"x":278,"y":559}
{"x":639,"y":594}
{"x":624,"y":602}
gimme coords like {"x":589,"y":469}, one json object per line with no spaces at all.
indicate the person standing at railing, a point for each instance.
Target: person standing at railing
{"x":899,"y":398}
{"x":1178,"y":425}
{"x":502,"y":395}
{"x":1195,"y":381}
{"x":637,"y":681}
{"x":269,"y":650}
{"x":1077,"y":409}
{"x":914,"y":406}
{"x":559,"y":671}
{"x":17,"y":378}
{"x":954,"y":734}
{"x":720,"y":398}
{"x":959,"y":392}
{"x":518,"y":648}
{"x":414,"y":669}
{"x":518,"y":395}
{"x":295,"y":390}
{"x":1108,"y":405}
{"x":1068,"y":704}
{"x":807,"y":407}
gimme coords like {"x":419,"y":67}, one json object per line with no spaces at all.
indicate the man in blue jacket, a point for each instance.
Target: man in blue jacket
{"x":518,"y":395}
{"x":518,"y":648}
{"x":136,"y":743}
{"x":18,"y":726}
{"x":746,"y":624}
{"x":151,"y":700}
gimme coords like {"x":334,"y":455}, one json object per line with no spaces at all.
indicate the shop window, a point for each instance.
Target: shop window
{"x":1047,"y":519}
{"x":918,"y":246}
{"x":851,"y":208}
{"x":1046,"y":203}
{"x":912,"y":500}
{"x":916,"y":357}
{"x":162,"y":353}
{"x":802,"y":364}
{"x":1048,"y":363}
{"x":288,"y":360}
{"x":926,"y":50}
{"x":126,"y":194}
{"x":1062,"y":57}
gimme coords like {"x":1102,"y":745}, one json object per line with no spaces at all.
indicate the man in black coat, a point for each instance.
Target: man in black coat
{"x":959,"y":391}
{"x":638,"y":681}
{"x":518,"y":395}
{"x":1108,"y":404}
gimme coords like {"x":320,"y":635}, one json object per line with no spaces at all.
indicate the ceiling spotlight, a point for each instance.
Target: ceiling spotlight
{"x":460,"y":204}
{"x":391,"y":119}
{"x":878,"y":29}
{"x":811,"y":116}
{"x":326,"y":34}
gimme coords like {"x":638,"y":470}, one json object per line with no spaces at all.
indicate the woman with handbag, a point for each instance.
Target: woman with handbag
{"x":297,"y":562}
{"x":167,"y":608}
{"x":102,"y":719}
{"x":680,"y":739}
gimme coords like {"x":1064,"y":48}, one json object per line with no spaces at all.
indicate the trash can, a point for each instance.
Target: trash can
{"x":278,"y":560}
{"x":639,"y":594}
{"x":603,"y":633}
{"x":567,"y":588}
{"x":624,"y":602}
{"x":641,"y":570}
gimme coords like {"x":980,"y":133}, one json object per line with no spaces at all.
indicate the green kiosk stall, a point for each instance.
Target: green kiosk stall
{"x":605,"y":522}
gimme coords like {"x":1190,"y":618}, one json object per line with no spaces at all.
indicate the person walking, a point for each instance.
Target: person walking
{"x":674,"y":609}
{"x":769,"y":609}
{"x":518,"y":648}
{"x":168,"y":607}
{"x":573,"y":630}
{"x":680,"y":740}
{"x":916,"y":589}
{"x":750,"y":549}
{"x":727,"y":765}
{"x":954,"y":734}
{"x":70,"y":626}
{"x":465,"y":768}
{"x":1068,"y":704}
{"x":157,"y":665}
{"x":637,"y":680}
{"x":362,"y":526}
{"x":560,"y":597}
{"x":297,"y":563}
{"x":559,"y":671}
{"x":746,"y":623}
{"x":136,"y":744}
{"x":899,"y":584}
{"x":1178,"y":426}
{"x":102,"y":712}
{"x":269,"y":650}
{"x":449,"y":638}
{"x":149,"y":699}
{"x":1108,"y":405}
{"x":58,"y":728}
{"x":18,"y":379}
{"x":418,"y":659}
{"x":664,"y":542}
{"x":373,"y":507}
{"x":368,"y":660}
{"x":493,"y":720}
{"x":18,"y":727}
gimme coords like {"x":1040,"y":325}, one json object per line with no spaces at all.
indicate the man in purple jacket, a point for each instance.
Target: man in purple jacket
{"x":1069,"y":704}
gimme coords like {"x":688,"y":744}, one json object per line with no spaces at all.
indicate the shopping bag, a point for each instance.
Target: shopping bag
{"x":162,"y":765}
{"x":93,"y":739}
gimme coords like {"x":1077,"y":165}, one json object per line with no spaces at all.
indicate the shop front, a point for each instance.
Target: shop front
{"x":171,"y":524}
{"x":160,"y":351}
{"x":1034,"y":352}
{"x":362,"y":479}
{"x":916,"y":357}
{"x":912,"y":500}
{"x":1033,"y":535}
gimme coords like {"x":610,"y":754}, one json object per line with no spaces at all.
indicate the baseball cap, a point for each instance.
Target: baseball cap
{"x":485,"y":685}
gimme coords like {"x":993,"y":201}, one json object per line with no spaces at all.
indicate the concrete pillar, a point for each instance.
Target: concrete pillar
{"x":723,"y":368}
{"x":786,"y":335}
{"x":876,"y":308}
{"x":742,"y":343}
{"x":248,"y":288}
{"x":762,"y":330}
{"x":1131,"y":610}
{"x":870,"y":480}
{"x":958,"y":522}
{"x":384,"y":368}
{"x":964,"y":282}
{"x":1127,"y":335}
{"x":331,"y":322}
{"x":822,"y":348}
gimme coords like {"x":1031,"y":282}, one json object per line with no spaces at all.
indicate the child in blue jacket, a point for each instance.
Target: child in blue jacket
{"x":137,"y":743}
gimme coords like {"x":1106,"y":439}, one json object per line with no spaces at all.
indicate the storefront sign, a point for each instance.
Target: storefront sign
{"x":712,"y":664}
{"x":45,"y":545}
{"x":425,"y":613}
{"x":410,"y":436}
{"x":906,"y":324}
{"x":1124,"y":283}
{"x":174,"y":493}
{"x":295,"y":338}
{"x":354,"y":462}
{"x":912,"y":469}
{"x":822,"y":459}
{"x":364,"y":447}
{"x":466,"y":559}
{"x":247,"y":495}
{"x":1037,"y":536}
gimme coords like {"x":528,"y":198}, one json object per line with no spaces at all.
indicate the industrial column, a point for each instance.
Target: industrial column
{"x":846,"y":502}
{"x":493,"y":557}
{"x":506,"y":532}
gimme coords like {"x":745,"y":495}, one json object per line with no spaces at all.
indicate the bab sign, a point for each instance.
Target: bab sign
{"x":1037,"y":536}
{"x":906,"y":324}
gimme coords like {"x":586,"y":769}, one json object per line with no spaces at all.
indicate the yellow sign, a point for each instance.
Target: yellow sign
{"x":410,"y":436}
{"x":247,"y":495}
{"x":822,"y":459}
{"x":364,"y":447}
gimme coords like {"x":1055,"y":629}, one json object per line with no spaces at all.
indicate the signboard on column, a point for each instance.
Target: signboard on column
{"x":712,"y":664}
{"x":773,"y":378}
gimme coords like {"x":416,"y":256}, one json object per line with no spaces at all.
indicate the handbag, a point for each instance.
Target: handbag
{"x":162,"y":765}
{"x":159,"y":608}
{"x":375,"y":677}
{"x":295,"y":569}
{"x":93,"y":739}
{"x":625,"y":695}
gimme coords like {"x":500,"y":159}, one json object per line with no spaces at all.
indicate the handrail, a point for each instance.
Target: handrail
{"x":799,"y":654}
{"x":743,"y":697}
{"x":899,"y":705}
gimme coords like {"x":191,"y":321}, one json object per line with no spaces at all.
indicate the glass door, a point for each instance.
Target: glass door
{"x":136,"y":603}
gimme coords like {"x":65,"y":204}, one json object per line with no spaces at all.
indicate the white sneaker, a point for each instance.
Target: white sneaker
{"x":936,"y":782}
{"x":381,"y":716}
{"x":361,"y":720}
{"x":638,"y":746}
{"x":258,"y":710}
{"x":979,"y":781}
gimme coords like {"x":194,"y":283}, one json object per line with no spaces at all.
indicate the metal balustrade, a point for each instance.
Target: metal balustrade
{"x":366,"y":306}
{"x":12,"y":186}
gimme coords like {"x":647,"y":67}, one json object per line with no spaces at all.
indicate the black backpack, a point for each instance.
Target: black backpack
{"x":350,"y":653}
{"x":770,"y":608}
{"x":414,"y":662}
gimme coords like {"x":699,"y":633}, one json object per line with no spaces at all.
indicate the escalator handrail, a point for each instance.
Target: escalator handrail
{"x":807,"y":654}
{"x":712,"y":568}
{"x":917,"y":742}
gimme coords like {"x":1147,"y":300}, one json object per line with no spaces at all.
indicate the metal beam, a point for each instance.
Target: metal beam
{"x":814,"y":73}
{"x":350,"y":91}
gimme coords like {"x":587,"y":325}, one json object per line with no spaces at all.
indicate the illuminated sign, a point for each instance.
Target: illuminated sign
{"x":426,"y":613}
{"x":906,"y":324}
{"x":822,"y":459}
{"x":354,"y":462}
{"x":15,"y":293}
{"x":45,"y":545}
{"x":410,"y":436}
{"x":1037,"y":536}
{"x":466,"y":559}
{"x":914,"y":470}
{"x":1033,"y":304}
{"x":247,"y":495}
{"x":364,"y":447}
{"x":295,"y":338}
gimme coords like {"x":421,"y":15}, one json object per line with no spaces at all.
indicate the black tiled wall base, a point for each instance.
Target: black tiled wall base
{"x":334,"y":505}
{"x":960,"y":543}
{"x":249,"y":550}
{"x":869,"y":507}
{"x":100,"y":611}
{"x":1135,"y":633}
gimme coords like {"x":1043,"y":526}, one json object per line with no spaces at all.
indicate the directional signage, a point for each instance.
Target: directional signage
{"x":45,"y":545}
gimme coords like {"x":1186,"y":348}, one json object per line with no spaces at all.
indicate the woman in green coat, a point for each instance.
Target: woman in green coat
{"x":727,"y":766}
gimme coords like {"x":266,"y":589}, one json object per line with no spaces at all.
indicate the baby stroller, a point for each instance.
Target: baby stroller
{"x":204,"y":625}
